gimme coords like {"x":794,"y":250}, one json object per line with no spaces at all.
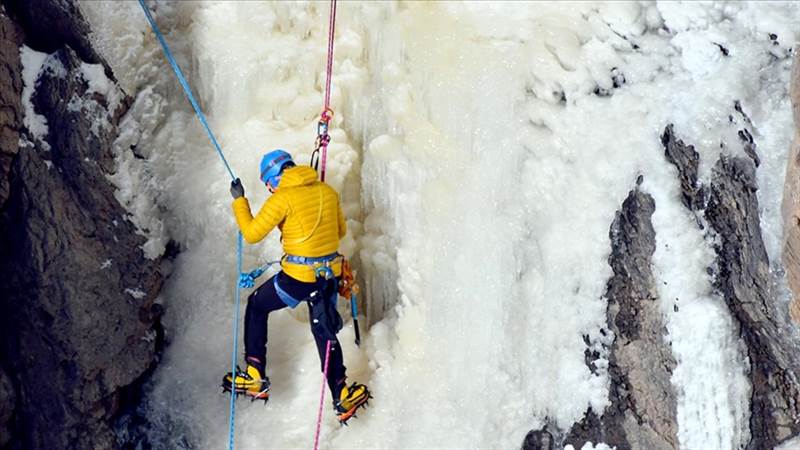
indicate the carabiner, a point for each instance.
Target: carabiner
{"x":322,"y":129}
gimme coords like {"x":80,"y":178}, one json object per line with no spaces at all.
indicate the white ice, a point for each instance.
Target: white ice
{"x":480,"y":174}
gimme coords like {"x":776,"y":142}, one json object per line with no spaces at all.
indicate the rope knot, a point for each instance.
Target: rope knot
{"x":326,"y":116}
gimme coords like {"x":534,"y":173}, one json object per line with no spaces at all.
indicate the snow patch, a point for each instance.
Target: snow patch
{"x":591,"y":446}
{"x":32,"y":62}
{"x":791,"y":444}
{"x":99,"y":83}
{"x":137,"y":293}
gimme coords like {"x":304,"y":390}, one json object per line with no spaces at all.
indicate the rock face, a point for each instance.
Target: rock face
{"x":10,"y":124}
{"x":8,"y":399}
{"x":643,"y":411}
{"x":688,"y":160}
{"x":10,"y":105}
{"x":51,"y":24}
{"x":742,"y":278}
{"x":791,"y":200}
{"x":744,"y":281}
{"x":77,"y":320}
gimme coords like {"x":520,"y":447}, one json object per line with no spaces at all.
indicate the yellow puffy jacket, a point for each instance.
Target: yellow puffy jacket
{"x":308,"y":214}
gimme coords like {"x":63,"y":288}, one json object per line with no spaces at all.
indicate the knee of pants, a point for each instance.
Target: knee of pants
{"x":251,"y":299}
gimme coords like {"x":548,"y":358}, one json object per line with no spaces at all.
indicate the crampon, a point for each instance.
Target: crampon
{"x":352,"y":398}
{"x":249,"y":383}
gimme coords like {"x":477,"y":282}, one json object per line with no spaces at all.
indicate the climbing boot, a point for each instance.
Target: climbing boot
{"x":350,"y":399}
{"x":251,"y":382}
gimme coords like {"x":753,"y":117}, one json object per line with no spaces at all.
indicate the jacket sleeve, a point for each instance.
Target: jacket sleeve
{"x":257,"y":228}
{"x":342,"y":223}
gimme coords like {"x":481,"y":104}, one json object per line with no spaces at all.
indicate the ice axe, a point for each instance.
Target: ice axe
{"x":354,"y":310}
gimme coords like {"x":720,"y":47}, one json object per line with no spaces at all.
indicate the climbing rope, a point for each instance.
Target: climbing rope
{"x":204,"y":122}
{"x":186,"y":88}
{"x":232,"y":413}
{"x":325,"y":117}
{"x":322,"y":391}
{"x":322,"y":143}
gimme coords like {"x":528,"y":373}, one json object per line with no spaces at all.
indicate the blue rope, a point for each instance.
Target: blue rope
{"x":185,"y":85}
{"x":248,"y":280}
{"x":232,"y":424}
{"x":211,"y":136}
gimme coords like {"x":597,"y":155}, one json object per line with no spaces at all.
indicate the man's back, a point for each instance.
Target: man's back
{"x":308,"y":214}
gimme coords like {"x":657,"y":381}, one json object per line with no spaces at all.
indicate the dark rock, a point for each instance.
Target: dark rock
{"x":723,"y":49}
{"x":737,"y":105}
{"x":749,"y":145}
{"x":76,"y":313}
{"x":617,"y":80}
{"x":643,"y":411}
{"x":8,"y":399}
{"x":538,"y":440}
{"x":617,"y":77}
{"x":601,"y":92}
{"x":743,"y":279}
{"x":745,"y":283}
{"x":687,"y":160}
{"x":52,"y":24}
{"x":10,"y":93}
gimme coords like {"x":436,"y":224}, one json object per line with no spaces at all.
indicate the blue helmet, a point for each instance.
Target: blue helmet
{"x":272,"y":165}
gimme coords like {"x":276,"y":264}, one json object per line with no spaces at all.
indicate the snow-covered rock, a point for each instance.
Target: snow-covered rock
{"x":76,"y":333}
{"x":729,"y":207}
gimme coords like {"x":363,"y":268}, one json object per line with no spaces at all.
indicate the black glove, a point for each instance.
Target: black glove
{"x":237,"y":190}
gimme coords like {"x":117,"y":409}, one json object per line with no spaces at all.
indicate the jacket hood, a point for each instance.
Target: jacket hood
{"x":298,"y":176}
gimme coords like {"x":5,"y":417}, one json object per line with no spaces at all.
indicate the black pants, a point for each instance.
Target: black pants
{"x":265,"y":299}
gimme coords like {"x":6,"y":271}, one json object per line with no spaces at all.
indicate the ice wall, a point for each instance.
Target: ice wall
{"x":481,"y":150}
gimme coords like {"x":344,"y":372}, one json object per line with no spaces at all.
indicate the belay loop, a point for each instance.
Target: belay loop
{"x":323,"y":138}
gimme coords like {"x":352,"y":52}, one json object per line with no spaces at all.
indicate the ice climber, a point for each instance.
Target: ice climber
{"x":308,"y":214}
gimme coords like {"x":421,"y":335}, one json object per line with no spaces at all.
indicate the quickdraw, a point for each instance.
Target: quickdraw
{"x":322,"y":141}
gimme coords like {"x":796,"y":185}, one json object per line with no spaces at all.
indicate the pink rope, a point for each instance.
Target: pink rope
{"x":331,"y":29}
{"x":322,"y":393}
{"x":326,"y":112}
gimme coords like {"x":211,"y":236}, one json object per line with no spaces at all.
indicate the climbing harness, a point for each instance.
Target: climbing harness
{"x":315,"y":262}
{"x":201,"y":117}
{"x":322,"y":266}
